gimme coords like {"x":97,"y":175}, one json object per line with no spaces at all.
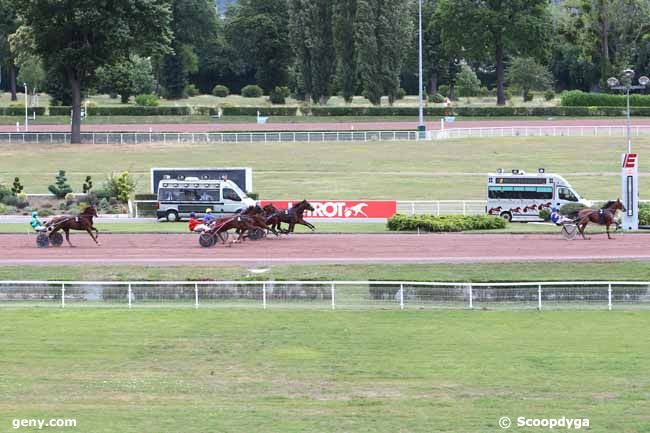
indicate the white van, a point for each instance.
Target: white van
{"x":518,"y":196}
{"x":178,"y":198}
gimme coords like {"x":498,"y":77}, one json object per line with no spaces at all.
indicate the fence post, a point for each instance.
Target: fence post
{"x":130,"y":294}
{"x":471,"y":297}
{"x":401,"y":296}
{"x":62,"y":295}
{"x":609,"y":296}
{"x":539,"y":297}
{"x":412,"y":208}
{"x":333,"y":296}
{"x":196,"y":296}
{"x":438,"y":208}
{"x":264,"y":296}
{"x":464,"y":208}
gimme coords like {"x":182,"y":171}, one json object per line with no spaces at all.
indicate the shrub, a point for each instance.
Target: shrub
{"x":220,"y":91}
{"x":69,"y":198}
{"x":484,"y":91}
{"x":443,"y":90}
{"x":578,"y":98}
{"x":545,"y":214}
{"x":17,"y":187}
{"x":570,"y":209}
{"x":644,"y":214}
{"x":508,"y":94}
{"x":191,"y":90}
{"x":120,"y":186}
{"x":45,"y":213}
{"x":277,"y":96}
{"x":549,"y":95}
{"x":445,"y":223}
{"x":401,"y":93}
{"x":4,"y":191}
{"x":252,"y":91}
{"x":88,"y":185}
{"x":147,"y":100}
{"x":528,"y":97}
{"x":437,"y":98}
{"x":467,"y":83}
{"x":61,"y":187}
{"x":10,"y":200}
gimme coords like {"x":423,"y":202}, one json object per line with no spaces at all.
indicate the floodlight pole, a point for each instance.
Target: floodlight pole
{"x":26,"y":116}
{"x":421,"y":126}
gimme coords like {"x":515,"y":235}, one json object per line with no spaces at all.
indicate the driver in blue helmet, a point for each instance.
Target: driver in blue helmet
{"x":208,"y":218}
{"x":557,"y":218}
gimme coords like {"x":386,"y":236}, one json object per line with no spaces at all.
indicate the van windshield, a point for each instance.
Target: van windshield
{"x":566,"y":194}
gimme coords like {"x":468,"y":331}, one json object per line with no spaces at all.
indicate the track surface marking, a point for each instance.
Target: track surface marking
{"x":170,"y":249}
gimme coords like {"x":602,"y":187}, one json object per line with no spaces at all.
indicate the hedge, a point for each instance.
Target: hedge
{"x":445,"y":223}
{"x":264,"y":111}
{"x":20,"y":111}
{"x":644,"y":214}
{"x":578,"y":98}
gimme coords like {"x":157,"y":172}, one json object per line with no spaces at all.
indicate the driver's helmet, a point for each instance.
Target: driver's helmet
{"x":208,"y":210}
{"x":192,"y":215}
{"x":34,"y":214}
{"x":554,"y":209}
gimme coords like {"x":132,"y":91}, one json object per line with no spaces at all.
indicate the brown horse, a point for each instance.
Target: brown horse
{"x":606,"y":216}
{"x":242,"y":224}
{"x":82,"y":222}
{"x":258,"y":215}
{"x":291,"y":216}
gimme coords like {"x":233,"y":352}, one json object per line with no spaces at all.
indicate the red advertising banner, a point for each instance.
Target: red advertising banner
{"x":349,"y":209}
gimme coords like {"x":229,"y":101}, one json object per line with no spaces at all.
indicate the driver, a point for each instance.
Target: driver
{"x":559,"y":219}
{"x":196,"y":225}
{"x":37,"y":224}
{"x":208,"y":218}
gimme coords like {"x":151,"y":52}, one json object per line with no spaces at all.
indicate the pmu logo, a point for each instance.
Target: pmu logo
{"x":630,"y":160}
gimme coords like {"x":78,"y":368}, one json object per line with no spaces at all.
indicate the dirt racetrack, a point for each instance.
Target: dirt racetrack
{"x":166,"y":249}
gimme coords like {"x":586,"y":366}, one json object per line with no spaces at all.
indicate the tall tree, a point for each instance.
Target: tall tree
{"x":382,"y":27}
{"x":497,"y":28}
{"x":257,"y":30}
{"x":8,"y":25}
{"x":76,"y":37}
{"x":345,"y":12}
{"x":310,"y":25}
{"x":194,"y":26}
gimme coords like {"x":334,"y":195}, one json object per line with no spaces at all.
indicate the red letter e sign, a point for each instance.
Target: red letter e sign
{"x":630,"y":160}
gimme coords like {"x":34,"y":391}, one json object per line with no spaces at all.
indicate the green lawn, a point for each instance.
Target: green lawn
{"x":304,"y":371}
{"x":451,"y":169}
{"x":468,"y":272}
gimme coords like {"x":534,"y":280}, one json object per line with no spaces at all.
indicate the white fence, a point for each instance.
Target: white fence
{"x":205,"y":137}
{"x":540,"y":131}
{"x":327,"y":294}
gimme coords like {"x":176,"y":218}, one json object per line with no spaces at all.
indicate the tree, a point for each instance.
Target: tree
{"x":17,"y":187}
{"x":527,"y":74}
{"x":88,"y":185}
{"x":346,"y":67}
{"x":76,"y":38}
{"x":467,"y":83}
{"x":61,"y":188}
{"x":257,"y":31}
{"x":310,"y":26}
{"x":8,"y":25}
{"x":382,"y":27}
{"x":127,"y":78}
{"x":497,"y":28}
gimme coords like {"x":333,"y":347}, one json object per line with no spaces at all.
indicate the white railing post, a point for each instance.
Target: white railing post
{"x":609,"y":296}
{"x":539,"y":297}
{"x":264,"y":296}
{"x":62,"y":295}
{"x":196,"y":296}
{"x":412,"y":208}
{"x":333,"y":296}
{"x":130,"y":295}
{"x":401,"y":296}
{"x":464,"y":207}
{"x":438,"y":208}
{"x":471,"y":297}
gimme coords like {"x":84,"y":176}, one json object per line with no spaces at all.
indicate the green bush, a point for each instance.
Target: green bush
{"x":545,"y":214}
{"x":119,"y":187}
{"x":277,"y":96}
{"x":252,"y":91}
{"x":549,"y":95}
{"x":443,"y":89}
{"x":17,"y":187}
{"x":10,"y":200}
{"x":147,"y":100}
{"x":191,"y":90}
{"x":644,"y":214}
{"x":401,"y":93}
{"x":571,"y":209}
{"x":445,"y":223}
{"x":437,"y":98}
{"x":264,"y":111}
{"x":578,"y":98}
{"x":220,"y":91}
{"x":508,"y":94}
{"x":484,"y":91}
{"x":4,"y":191}
{"x":61,"y":188}
{"x":528,"y":97}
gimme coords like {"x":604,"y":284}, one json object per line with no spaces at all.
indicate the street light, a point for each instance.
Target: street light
{"x":26,"y":121}
{"x":626,"y":85}
{"x":421,"y":126}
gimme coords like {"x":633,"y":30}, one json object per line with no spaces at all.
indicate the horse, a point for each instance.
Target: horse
{"x":240,"y":223}
{"x":292,"y":217}
{"x":82,"y":222}
{"x":604,"y":216}
{"x":257,"y":214}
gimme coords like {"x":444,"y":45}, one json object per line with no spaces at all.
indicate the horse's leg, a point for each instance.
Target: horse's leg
{"x":90,"y":232}
{"x":67,"y":236}
{"x":307,"y":224}
{"x":607,"y":229}
{"x":292,"y":226}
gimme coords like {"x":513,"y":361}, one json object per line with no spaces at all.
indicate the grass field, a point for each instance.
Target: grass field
{"x":298,"y":371}
{"x":453,"y":169}
{"x":471,"y":272}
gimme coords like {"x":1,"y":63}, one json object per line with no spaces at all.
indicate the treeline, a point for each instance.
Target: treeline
{"x":313,"y":49}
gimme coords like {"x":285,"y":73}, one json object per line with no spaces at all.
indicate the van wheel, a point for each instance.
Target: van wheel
{"x":506,"y":216}
{"x":172,"y":216}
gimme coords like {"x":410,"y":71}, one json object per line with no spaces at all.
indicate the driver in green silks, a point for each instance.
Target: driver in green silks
{"x":37,"y":224}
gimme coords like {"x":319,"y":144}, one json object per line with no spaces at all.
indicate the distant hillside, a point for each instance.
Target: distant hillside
{"x":222,"y":5}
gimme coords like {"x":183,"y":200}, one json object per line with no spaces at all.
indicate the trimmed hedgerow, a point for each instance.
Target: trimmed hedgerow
{"x":444,"y":223}
{"x":578,"y":98}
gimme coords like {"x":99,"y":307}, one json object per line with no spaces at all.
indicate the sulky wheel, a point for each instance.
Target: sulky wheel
{"x":56,"y":239}
{"x":569,"y":231}
{"x":255,"y":234}
{"x":206,"y":240}
{"x":42,"y":241}
{"x":223,"y":236}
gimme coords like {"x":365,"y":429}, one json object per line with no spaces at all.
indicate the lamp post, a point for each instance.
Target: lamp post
{"x":629,"y":160}
{"x":26,"y":121}
{"x":421,"y":126}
